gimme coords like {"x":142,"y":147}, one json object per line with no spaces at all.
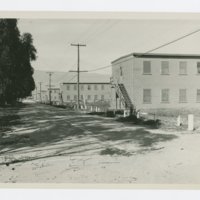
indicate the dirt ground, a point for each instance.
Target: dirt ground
{"x":43,"y":144}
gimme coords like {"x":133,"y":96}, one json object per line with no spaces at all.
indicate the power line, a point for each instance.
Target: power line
{"x":98,"y":32}
{"x":85,"y":32}
{"x":72,"y":78}
{"x":171,"y":42}
{"x":149,"y":51}
{"x":100,"y":68}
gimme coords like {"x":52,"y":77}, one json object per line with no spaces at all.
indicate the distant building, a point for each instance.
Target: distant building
{"x":44,"y":96}
{"x":91,"y":94}
{"x":144,"y":81}
{"x":55,"y":96}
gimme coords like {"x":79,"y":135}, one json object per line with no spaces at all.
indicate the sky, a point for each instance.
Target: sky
{"x":105,"y":39}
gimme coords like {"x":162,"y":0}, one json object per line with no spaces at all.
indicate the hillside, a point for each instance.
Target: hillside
{"x":60,"y":77}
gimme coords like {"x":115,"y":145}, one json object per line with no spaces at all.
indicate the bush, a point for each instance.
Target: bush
{"x":153,"y":123}
{"x":110,"y":113}
{"x":140,"y":121}
{"x":114,"y":151}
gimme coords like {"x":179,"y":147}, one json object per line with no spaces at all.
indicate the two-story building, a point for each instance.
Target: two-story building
{"x":144,"y":81}
{"x":55,"y":96}
{"x":44,"y":96}
{"x":92,"y":94}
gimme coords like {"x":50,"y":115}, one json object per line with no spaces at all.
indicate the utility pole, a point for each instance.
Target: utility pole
{"x":78,"y":72}
{"x":50,"y":74}
{"x":36,"y":93}
{"x":40,"y":91}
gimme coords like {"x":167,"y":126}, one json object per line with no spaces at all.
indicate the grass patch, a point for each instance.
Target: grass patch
{"x":97,"y":113}
{"x":108,"y":113}
{"x":141,"y":121}
{"x":114,"y":151}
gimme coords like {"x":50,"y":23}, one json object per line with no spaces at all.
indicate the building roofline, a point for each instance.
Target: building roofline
{"x":125,"y":56}
{"x":159,"y":55}
{"x":87,"y":83}
{"x":54,"y":88}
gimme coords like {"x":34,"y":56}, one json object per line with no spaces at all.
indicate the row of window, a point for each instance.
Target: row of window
{"x":89,"y":97}
{"x":54,"y":91}
{"x":87,"y":87}
{"x":165,"y":67}
{"x":165,"y":95}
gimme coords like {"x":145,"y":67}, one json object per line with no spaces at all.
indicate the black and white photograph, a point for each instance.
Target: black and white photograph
{"x":100,"y":100}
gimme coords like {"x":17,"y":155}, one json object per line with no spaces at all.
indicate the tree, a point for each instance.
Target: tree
{"x":16,"y":53}
{"x":9,"y":41}
{"x":25,"y":71}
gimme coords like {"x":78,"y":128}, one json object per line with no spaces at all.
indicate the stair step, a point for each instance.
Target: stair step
{"x":126,"y":98}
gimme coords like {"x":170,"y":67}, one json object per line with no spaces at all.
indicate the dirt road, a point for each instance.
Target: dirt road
{"x":43,"y":144}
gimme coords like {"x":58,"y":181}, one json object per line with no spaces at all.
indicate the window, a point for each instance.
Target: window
{"x":82,"y":87}
{"x":198,"y":95}
{"x":183,"y":68}
{"x":165,"y":95}
{"x":68,"y":97}
{"x":75,"y":97}
{"x":75,"y":87}
{"x":95,"y":97}
{"x":89,"y":97}
{"x":182,"y":96}
{"x":164,"y":67}
{"x":89,"y":87}
{"x":147,"y":96}
{"x":95,"y":87}
{"x":102,"y":87}
{"x":146,"y":67}
{"x":102,"y":97}
{"x":198,"y":67}
{"x":81,"y":97}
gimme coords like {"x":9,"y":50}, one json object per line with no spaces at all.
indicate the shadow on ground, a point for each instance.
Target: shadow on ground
{"x":66,"y":133}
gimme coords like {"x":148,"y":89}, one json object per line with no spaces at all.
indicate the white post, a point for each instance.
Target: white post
{"x":125,"y":113}
{"x":179,"y":120}
{"x":138,"y":115}
{"x":96,"y":109}
{"x":91,"y":108}
{"x":190,"y":122}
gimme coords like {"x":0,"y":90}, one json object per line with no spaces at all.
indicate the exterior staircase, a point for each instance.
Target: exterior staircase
{"x":122,"y":92}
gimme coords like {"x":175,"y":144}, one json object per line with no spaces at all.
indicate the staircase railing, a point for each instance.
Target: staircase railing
{"x":123,"y":94}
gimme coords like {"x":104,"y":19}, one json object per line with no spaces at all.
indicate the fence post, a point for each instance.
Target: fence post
{"x":179,"y":120}
{"x":190,"y":122}
{"x":125,"y":113}
{"x":138,"y":115}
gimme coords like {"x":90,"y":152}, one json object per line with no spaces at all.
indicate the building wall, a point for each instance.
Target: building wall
{"x":122,"y":72}
{"x":44,"y":96}
{"x":106,"y":92}
{"x":55,"y":95}
{"x":135,"y":82}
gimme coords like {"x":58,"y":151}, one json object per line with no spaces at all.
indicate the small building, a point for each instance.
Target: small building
{"x":55,"y":96}
{"x":44,"y":96}
{"x":145,"y":81}
{"x":93,"y":95}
